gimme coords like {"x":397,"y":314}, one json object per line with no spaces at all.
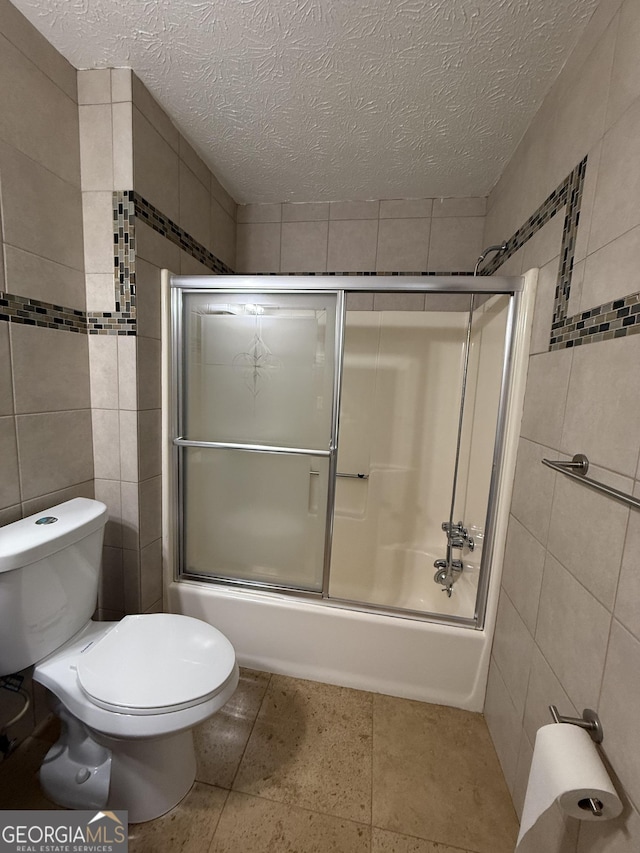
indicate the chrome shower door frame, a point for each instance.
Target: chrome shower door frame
{"x":511,"y":286}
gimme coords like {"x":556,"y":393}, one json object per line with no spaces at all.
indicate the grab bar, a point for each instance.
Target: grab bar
{"x":577,"y":470}
{"x":348,"y":476}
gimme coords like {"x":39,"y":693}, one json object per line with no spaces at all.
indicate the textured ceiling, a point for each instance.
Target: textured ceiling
{"x":324,"y":100}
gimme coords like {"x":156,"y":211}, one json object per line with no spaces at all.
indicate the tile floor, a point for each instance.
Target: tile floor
{"x":290,"y":765}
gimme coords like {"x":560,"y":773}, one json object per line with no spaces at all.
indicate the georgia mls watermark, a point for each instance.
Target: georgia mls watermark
{"x":63,"y":832}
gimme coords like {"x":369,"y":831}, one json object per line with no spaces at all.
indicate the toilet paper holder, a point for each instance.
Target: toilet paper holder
{"x":589,"y":721}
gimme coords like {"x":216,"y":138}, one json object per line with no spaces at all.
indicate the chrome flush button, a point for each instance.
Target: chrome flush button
{"x":46,"y":519}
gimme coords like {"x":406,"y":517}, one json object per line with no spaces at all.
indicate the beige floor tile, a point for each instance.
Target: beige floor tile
{"x":188,"y":828}
{"x":259,"y":826}
{"x":383,"y":841}
{"x":311,"y":746}
{"x":221,"y":740}
{"x":436,"y":776}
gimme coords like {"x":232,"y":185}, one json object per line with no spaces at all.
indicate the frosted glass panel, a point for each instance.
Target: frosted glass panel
{"x":255,"y":516}
{"x":258,"y":369}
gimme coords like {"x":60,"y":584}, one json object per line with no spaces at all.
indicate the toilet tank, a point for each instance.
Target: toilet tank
{"x":49,"y":573}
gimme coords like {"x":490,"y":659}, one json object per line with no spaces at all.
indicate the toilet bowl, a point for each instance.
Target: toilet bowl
{"x":128,"y":693}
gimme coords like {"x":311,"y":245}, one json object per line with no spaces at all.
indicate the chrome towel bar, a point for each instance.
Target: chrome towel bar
{"x":577,"y":470}
{"x":347,"y":476}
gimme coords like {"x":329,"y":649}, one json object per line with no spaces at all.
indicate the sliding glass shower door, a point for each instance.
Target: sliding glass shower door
{"x":256,"y":429}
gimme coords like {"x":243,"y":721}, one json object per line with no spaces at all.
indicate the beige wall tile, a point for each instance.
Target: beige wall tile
{"x":610,"y":272}
{"x":151,"y":574}
{"x":6,"y":388}
{"x":628,"y":594}
{"x":522,"y":572}
{"x":544,"y":690}
{"x":546,"y":396}
{"x":618,"y":706}
{"x":29,"y":41}
{"x":41,"y":212}
{"x":595,"y":555}
{"x":360,"y":301}
{"x":122,"y":129}
{"x":94,"y":86}
{"x":103,"y":362}
{"x":127,"y":373}
{"x":130,"y":521}
{"x":354,"y":209}
{"x":190,"y":266}
{"x":155,"y":167}
{"x":150,"y":443}
{"x":65,"y":382}
{"x":420,"y":208}
{"x":543,"y":312}
{"x":249,"y":213}
{"x":156,"y":249}
{"x":121,"y":85}
{"x":607,"y":432}
{"x":572,"y":627}
{"x":43,"y":502}
{"x":149,"y":360}
{"x":38,"y":278}
{"x":30,"y":106}
{"x":108,"y":491}
{"x":512,"y":651}
{"x":128,"y":433}
{"x":10,"y":514}
{"x":100,"y":292}
{"x":131,"y":580}
{"x":459,"y":206}
{"x":575,"y":292}
{"x":55,"y":451}
{"x":9,"y":482}
{"x":147,"y":299}
{"x":447,"y":302}
{"x":195,"y":207}
{"x":533,"y":489}
{"x":615,"y":208}
{"x":258,"y":247}
{"x":150,"y":497}
{"x":305,"y":212}
{"x":403,"y":245}
{"x":106,"y":444}
{"x":525,"y":757}
{"x":304,"y":246}
{"x":504,"y":722}
{"x":586,"y":204}
{"x":615,"y":836}
{"x":219,"y":193}
{"x":111,"y":589}
{"x":546,"y":244}
{"x":146,"y":104}
{"x":456,"y":243}
{"x":193,"y":162}
{"x":352,"y":245}
{"x":625,"y":78}
{"x":97,"y":214}
{"x":223,"y":234}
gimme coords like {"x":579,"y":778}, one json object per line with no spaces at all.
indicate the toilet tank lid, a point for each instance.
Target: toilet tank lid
{"x":37,"y":536}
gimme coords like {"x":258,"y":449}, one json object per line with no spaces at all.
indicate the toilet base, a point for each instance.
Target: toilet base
{"x":147,"y":777}
{"x":150,"y":777}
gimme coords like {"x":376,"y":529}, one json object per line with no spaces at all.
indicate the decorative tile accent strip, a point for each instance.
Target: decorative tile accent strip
{"x":151,"y":216}
{"x":615,"y":319}
{"x":33,"y":312}
{"x":394,"y":273}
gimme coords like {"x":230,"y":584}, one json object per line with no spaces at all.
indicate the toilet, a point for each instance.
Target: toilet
{"x":128,"y":693}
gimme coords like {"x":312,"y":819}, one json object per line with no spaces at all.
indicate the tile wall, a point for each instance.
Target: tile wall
{"x":416,"y":235}
{"x":142,"y":177}
{"x":568,"y":631}
{"x":45,"y":409}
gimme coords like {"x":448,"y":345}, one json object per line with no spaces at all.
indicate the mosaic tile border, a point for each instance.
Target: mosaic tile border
{"x":390,"y":273}
{"x":155,"y":219}
{"x":615,"y":319}
{"x":33,"y":312}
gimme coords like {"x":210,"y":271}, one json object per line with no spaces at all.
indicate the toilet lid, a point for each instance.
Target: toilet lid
{"x":156,"y":663}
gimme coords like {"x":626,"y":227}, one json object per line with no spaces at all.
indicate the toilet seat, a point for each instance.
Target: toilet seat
{"x":154,"y":664}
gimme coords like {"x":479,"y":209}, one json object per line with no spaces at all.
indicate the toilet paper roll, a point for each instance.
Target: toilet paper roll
{"x":567,"y":769}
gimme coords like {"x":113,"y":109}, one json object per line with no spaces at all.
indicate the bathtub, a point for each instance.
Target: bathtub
{"x":394,"y":655}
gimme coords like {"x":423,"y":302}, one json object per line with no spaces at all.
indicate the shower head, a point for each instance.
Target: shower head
{"x":500,"y":248}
